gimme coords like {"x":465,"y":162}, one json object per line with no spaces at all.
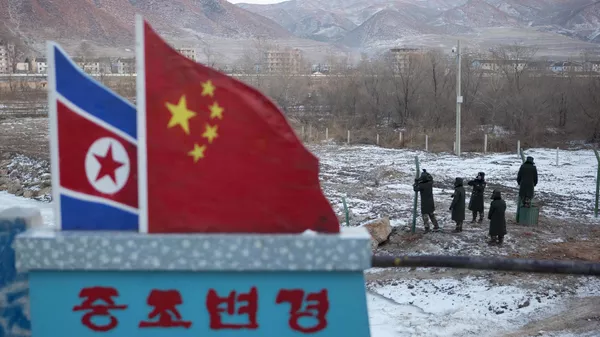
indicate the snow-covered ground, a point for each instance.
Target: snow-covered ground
{"x":438,"y":302}
{"x":566,"y":190}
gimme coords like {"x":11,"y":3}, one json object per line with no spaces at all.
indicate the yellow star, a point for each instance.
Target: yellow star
{"x":180,"y":115}
{"x":208,"y":89}
{"x":216,"y":111}
{"x":197,"y":152}
{"x":210,"y":133}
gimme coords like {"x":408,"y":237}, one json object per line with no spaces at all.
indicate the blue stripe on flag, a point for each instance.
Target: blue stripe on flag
{"x":93,"y":98}
{"x":86,"y":215}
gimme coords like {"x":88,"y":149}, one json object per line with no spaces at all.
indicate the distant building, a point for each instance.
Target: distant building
{"x":539,"y":66}
{"x":22,"y":67}
{"x":189,"y":53}
{"x":5,"y":54}
{"x":593,"y":66}
{"x":567,"y":66}
{"x":124,"y":65}
{"x":40,"y":65}
{"x":403,"y":57}
{"x":90,"y":66}
{"x":288,"y":60}
{"x":498,"y":65}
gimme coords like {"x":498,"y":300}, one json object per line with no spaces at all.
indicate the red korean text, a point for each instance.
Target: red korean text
{"x":164,"y":313}
{"x":302,"y":305}
{"x":234,"y":304}
{"x":98,"y":301}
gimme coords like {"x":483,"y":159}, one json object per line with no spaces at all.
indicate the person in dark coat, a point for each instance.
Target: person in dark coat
{"x":497,"y":218}
{"x":527,"y":178}
{"x":458,"y":204}
{"x":476,"y":201}
{"x":424,"y":185}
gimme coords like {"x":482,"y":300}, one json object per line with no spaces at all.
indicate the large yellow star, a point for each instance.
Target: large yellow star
{"x":208,"y":89}
{"x":216,"y":111}
{"x":197,"y":152}
{"x":210,"y":133}
{"x":180,"y":115}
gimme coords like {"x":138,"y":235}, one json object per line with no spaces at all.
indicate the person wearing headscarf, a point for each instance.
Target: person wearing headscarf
{"x":476,"y":201}
{"x":458,"y":204}
{"x":424,"y":185}
{"x":527,"y":178}
{"x":497,"y":217}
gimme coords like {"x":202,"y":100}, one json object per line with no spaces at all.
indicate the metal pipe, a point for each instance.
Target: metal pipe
{"x":489,"y":263}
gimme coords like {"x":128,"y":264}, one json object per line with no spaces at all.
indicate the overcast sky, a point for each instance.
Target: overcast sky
{"x":256,"y":1}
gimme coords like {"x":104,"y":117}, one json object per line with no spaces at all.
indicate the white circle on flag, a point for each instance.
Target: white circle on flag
{"x":107,"y":165}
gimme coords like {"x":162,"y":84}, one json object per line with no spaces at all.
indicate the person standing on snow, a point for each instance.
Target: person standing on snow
{"x":497,"y":218}
{"x":476,"y":201}
{"x":527,"y":178}
{"x":458,"y":204}
{"x":424,"y":185}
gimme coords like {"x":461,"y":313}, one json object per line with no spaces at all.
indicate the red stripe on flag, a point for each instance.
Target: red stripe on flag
{"x":76,"y":135}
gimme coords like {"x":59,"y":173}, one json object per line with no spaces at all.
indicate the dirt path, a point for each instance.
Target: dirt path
{"x":27,"y":136}
{"x":581,"y":316}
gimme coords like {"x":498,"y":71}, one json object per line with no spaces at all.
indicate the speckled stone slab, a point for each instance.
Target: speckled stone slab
{"x":86,"y":250}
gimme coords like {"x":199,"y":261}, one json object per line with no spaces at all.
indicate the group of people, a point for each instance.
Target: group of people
{"x":526,"y":178}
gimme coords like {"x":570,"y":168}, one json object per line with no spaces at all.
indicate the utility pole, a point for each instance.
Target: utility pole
{"x":459,"y":99}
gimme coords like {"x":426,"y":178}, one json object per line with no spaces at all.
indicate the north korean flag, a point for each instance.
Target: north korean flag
{"x":93,"y":144}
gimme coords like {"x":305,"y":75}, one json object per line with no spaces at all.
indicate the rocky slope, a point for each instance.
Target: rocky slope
{"x":110,"y":22}
{"x":26,"y":177}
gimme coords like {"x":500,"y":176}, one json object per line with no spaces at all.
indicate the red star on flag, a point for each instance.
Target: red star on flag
{"x":108,"y":165}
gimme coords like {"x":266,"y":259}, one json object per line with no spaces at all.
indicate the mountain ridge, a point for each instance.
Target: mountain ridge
{"x":573,"y":18}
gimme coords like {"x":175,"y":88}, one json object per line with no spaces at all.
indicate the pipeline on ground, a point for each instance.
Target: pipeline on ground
{"x":489,"y":263}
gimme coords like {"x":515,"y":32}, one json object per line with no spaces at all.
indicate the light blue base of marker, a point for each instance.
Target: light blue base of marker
{"x":60,"y":264}
{"x":55,"y":293}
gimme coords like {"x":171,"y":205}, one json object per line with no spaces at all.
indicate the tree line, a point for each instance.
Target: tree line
{"x":514,"y":101}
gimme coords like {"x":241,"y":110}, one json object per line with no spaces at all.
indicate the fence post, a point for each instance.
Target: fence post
{"x":302,"y":135}
{"x":426,"y":143}
{"x":518,"y":148}
{"x":377,"y":139}
{"x":454,"y":147}
{"x":597,"y":183}
{"x":519,"y":200}
{"x":416,"y":201}
{"x":557,"y":156}
{"x":309,"y":132}
{"x":348,"y":137}
{"x":485,"y":143}
{"x":346,"y":212}
{"x":522,"y":154}
{"x":326,"y":134}
{"x":401,"y":139}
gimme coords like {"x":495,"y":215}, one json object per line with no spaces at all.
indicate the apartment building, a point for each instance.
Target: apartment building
{"x":189,"y":53}
{"x":283,"y":61}
{"x":124,"y":65}
{"x":90,"y":66}
{"x":5,"y":61}
{"x":40,"y":65}
{"x":403,"y":57}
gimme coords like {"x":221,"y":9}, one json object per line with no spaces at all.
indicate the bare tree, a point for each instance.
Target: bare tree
{"x":513,"y":61}
{"x":405,"y":83}
{"x":211,"y":57}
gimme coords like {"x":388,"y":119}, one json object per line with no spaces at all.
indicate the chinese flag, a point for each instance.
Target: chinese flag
{"x":220,"y":156}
